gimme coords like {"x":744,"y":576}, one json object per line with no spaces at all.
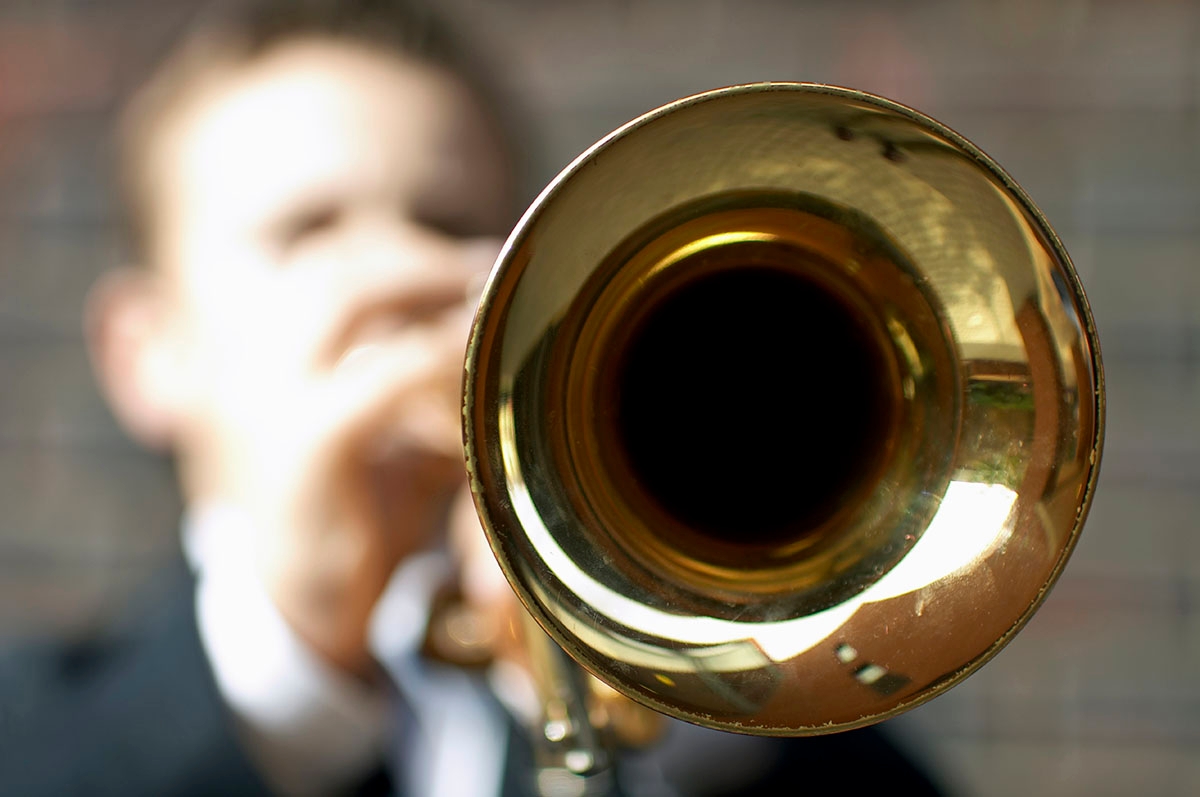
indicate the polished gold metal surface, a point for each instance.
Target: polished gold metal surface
{"x":783,"y":409}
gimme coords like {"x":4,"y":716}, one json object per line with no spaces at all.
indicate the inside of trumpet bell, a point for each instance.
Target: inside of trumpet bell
{"x":753,"y":402}
{"x":745,"y":388}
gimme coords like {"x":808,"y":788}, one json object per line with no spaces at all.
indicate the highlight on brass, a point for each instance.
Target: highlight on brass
{"x":783,"y":409}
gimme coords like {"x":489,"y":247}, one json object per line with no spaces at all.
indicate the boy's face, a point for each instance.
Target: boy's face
{"x":313,"y":205}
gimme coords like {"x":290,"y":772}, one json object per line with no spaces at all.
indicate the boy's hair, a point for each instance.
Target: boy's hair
{"x":229,"y":35}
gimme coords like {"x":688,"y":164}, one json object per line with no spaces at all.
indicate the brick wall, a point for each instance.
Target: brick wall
{"x":86,"y":515}
{"x":1092,"y":106}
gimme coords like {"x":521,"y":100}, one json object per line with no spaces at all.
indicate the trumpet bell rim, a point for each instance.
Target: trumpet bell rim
{"x":996,"y":412}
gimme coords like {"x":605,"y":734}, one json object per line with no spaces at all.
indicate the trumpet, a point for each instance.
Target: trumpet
{"x":783,"y":409}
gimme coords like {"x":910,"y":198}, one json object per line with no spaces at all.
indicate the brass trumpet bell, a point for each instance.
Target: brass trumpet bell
{"x":783,"y":409}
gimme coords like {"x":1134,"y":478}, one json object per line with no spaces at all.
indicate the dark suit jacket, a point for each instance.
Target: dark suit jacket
{"x":134,"y":713}
{"x":138,"y":714}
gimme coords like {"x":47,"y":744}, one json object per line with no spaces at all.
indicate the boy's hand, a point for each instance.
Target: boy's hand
{"x":346,"y":462}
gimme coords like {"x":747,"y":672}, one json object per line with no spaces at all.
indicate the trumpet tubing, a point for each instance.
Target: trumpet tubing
{"x":783,"y":409}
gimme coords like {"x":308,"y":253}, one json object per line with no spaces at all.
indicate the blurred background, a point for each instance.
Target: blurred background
{"x":1091,"y":106}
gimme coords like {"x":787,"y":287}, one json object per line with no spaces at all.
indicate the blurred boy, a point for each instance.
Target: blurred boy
{"x":313,"y":193}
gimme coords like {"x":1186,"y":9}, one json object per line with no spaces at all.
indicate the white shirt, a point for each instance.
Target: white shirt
{"x":311,"y":729}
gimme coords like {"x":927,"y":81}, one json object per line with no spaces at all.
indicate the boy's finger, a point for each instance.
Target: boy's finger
{"x":375,"y":385}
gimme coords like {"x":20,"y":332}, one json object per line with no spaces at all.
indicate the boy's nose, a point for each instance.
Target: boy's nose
{"x":399,"y":277}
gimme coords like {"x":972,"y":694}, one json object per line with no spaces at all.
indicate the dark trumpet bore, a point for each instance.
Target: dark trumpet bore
{"x":752,"y":403}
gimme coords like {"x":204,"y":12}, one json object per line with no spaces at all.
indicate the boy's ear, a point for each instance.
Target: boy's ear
{"x":134,"y":352}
